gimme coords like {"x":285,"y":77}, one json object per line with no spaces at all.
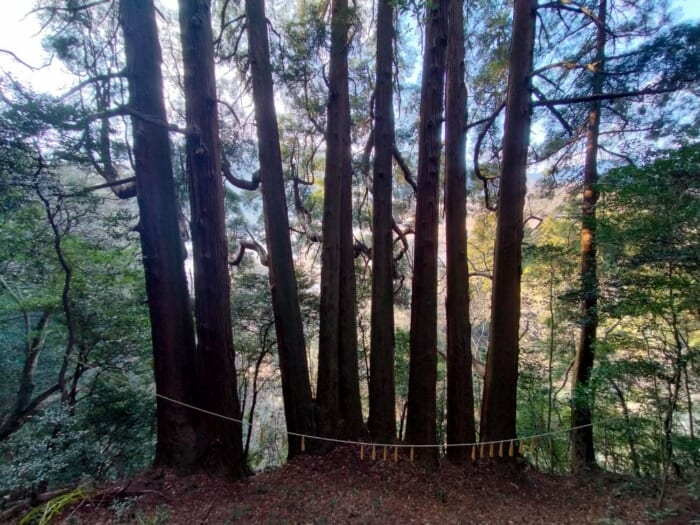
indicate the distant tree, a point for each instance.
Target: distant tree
{"x":649,"y":229}
{"x":582,"y":451}
{"x":219,"y":447}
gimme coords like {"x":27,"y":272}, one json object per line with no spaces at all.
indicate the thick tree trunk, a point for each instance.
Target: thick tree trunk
{"x":296,"y":388}
{"x":421,"y":412}
{"x":219,"y":446}
{"x":172,"y":328}
{"x":338,"y":393}
{"x":460,"y":394}
{"x":500,"y":384}
{"x":382,"y":410}
{"x":348,"y":373}
{"x":582,"y":450}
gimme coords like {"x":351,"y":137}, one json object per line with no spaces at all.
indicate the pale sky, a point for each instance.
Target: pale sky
{"x":18,"y":33}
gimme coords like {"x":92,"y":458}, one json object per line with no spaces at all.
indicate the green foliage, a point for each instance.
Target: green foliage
{"x":105,"y":430}
{"x":649,"y":227}
{"x":53,"y":508}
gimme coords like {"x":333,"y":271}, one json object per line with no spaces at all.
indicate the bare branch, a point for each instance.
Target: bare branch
{"x":477,"y":148}
{"x":568,"y":5}
{"x":92,"y":80}
{"x":25,"y":64}
{"x":302,"y":212}
{"x":250,"y":185}
{"x":554,"y":112}
{"x":252,"y":245}
{"x":111,"y":184}
{"x":604,"y":96}
{"x":405,"y":169}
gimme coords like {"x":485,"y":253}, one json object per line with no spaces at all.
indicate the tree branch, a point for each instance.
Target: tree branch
{"x":243,"y":184}
{"x":91,"y":80}
{"x":407,"y":174}
{"x":603,"y":96}
{"x":252,"y":245}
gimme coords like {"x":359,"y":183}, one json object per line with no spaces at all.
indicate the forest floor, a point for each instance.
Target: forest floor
{"x":341,"y":488}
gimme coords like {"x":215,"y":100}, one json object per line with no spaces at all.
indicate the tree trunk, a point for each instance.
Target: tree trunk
{"x":11,"y":422}
{"x":219,"y":446}
{"x":460,"y":394}
{"x":382,"y":410}
{"x":172,"y":329}
{"x":421,"y":412}
{"x":338,"y":385}
{"x":500,"y":384}
{"x":582,"y":450}
{"x":296,"y":388}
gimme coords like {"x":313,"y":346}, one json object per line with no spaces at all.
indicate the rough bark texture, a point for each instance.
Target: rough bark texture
{"x":219,"y":446}
{"x":338,"y":386}
{"x":500,"y":384}
{"x":172,"y":328}
{"x":291,"y":346}
{"x":382,"y":411}
{"x":421,"y":412}
{"x":460,"y":394}
{"x":582,"y":451}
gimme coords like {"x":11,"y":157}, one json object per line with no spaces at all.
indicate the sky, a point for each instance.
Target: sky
{"x":18,"y":33}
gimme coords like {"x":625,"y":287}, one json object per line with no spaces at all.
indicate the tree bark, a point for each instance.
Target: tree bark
{"x":296,"y":388}
{"x":498,"y":411}
{"x":219,"y":447}
{"x":172,"y":329}
{"x":382,"y":410}
{"x":582,"y":449}
{"x":338,"y":385}
{"x":421,"y":412}
{"x":460,"y":394}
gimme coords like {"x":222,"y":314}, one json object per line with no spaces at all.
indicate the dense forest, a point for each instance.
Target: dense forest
{"x":455,"y":232}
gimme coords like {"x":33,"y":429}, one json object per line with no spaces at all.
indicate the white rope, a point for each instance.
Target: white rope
{"x":365,"y":443}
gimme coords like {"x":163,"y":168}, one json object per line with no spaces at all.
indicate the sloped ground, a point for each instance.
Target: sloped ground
{"x":341,"y":488}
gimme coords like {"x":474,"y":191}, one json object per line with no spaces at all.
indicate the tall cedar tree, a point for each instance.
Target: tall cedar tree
{"x":582,"y":451}
{"x":421,"y":410}
{"x":338,"y":391}
{"x":219,"y":446}
{"x":172,"y":329}
{"x":460,"y":393}
{"x":296,"y":388}
{"x":382,"y":412}
{"x":498,"y":410}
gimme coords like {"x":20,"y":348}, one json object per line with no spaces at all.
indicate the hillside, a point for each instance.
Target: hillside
{"x":341,"y":488}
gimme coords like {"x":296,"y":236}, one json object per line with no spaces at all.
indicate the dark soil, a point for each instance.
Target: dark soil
{"x":339,"y":487}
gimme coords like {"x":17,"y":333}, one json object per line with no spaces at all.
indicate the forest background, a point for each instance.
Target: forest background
{"x":78,"y":358}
